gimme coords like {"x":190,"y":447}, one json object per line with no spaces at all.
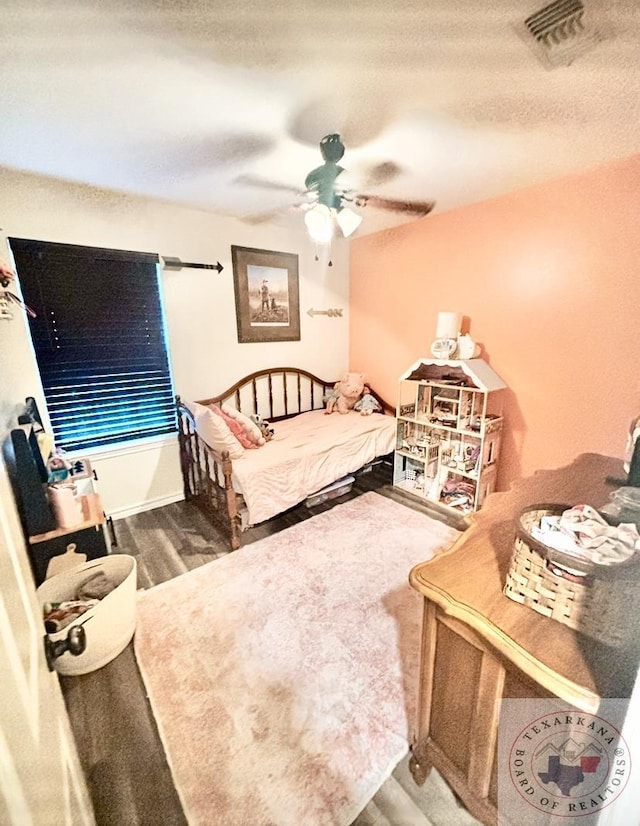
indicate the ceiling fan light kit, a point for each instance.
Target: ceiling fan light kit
{"x":320,"y":219}
{"x":330,"y":202}
{"x":326,"y":202}
{"x":319,"y":223}
{"x":348,"y":221}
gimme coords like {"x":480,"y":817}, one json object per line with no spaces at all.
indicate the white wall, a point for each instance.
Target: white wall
{"x":200,"y":307}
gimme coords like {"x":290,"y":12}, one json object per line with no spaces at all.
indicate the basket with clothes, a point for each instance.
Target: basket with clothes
{"x":573,"y":566}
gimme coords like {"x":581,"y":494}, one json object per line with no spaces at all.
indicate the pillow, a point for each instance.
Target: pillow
{"x":234,"y":426}
{"x":251,"y":429}
{"x":192,"y":407}
{"x":214,"y":430}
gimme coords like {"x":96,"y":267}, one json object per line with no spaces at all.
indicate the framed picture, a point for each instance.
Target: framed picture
{"x":267,"y":295}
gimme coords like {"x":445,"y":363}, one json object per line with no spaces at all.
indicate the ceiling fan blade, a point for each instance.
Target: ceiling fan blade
{"x":264,"y":183}
{"x":263,"y":217}
{"x":359,"y":121}
{"x":410,"y":207}
{"x":258,"y":217}
{"x":381,"y":173}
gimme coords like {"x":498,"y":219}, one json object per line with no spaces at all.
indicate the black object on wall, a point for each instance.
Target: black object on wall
{"x":26,"y":470}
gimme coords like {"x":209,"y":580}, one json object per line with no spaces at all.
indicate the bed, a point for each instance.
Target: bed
{"x":309,"y":449}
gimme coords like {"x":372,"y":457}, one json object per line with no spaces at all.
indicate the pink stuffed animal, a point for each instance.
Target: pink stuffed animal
{"x":346,"y":393}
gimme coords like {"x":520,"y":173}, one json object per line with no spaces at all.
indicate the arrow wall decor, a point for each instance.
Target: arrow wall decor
{"x":332,"y":313}
{"x":177,"y":264}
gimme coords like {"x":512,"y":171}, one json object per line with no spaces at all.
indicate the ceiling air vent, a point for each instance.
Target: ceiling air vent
{"x":561,"y":32}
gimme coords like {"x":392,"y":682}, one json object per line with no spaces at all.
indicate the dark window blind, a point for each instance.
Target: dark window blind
{"x":99,"y":341}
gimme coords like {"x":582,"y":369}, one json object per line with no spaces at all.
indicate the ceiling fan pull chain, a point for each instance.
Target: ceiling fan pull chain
{"x":323,"y":247}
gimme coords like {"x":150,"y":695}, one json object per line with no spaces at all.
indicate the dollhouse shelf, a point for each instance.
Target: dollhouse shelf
{"x":447,"y":438}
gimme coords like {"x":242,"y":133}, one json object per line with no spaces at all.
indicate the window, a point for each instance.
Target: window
{"x":99,"y":341}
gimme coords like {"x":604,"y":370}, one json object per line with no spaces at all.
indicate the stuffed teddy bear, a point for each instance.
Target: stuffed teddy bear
{"x":265,"y":428}
{"x":367,"y":404}
{"x":346,"y":393}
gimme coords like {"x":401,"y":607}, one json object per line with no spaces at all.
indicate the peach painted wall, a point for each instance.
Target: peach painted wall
{"x":548,"y":280}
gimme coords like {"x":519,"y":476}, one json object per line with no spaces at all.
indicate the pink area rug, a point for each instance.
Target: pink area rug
{"x":283,"y":676}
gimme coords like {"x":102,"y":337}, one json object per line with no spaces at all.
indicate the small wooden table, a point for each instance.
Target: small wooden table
{"x":478,"y":646}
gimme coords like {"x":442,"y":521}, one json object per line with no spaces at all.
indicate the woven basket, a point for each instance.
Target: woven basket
{"x":598,"y":604}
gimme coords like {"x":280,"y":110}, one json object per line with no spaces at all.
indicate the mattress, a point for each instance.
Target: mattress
{"x":307,"y":453}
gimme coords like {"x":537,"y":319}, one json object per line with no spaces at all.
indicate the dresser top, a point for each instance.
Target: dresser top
{"x":467,"y":582}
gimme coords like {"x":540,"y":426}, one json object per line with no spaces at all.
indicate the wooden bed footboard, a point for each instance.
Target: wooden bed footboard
{"x":274,"y":394}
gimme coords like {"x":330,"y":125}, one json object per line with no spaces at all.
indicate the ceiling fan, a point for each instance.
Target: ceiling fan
{"x":325,"y":199}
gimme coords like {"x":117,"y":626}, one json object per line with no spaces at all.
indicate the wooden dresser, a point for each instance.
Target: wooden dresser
{"x":478,"y":646}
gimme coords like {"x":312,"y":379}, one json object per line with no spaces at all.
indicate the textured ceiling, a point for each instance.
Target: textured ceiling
{"x":196,"y":102}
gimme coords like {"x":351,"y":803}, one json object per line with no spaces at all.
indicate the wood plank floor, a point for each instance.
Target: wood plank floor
{"x":118,"y":742}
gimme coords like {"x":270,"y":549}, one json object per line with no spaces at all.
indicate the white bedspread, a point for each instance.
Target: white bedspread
{"x":307,"y":453}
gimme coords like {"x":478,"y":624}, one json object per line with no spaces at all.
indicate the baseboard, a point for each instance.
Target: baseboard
{"x":148,"y":505}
